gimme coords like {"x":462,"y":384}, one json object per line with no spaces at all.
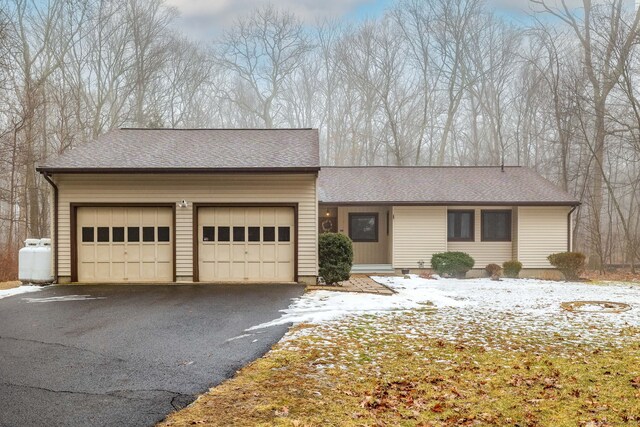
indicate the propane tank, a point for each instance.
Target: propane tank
{"x":42,"y":271}
{"x":26,"y":258}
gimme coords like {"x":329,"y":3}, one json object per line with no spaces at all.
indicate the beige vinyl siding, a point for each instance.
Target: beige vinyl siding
{"x":483,"y":252}
{"x":367,"y":252}
{"x":198,"y":188}
{"x":418,"y":233}
{"x":541,"y":232}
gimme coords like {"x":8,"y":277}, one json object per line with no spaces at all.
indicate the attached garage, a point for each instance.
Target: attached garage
{"x":246,"y":243}
{"x":124,"y":244}
{"x":187,"y":206}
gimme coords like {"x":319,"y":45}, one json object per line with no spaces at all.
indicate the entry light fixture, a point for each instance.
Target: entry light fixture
{"x":183,"y":204}
{"x":327,"y":213}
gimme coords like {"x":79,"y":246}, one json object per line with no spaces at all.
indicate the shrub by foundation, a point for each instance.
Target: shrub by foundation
{"x":335,"y":253}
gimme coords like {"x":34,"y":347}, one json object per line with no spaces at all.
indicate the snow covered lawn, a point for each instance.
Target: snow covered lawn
{"x":455,"y":309}
{"x":442,"y":352}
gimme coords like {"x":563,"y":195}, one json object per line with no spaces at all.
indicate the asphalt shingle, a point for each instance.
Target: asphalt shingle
{"x":206,"y":149}
{"x":438,"y":185}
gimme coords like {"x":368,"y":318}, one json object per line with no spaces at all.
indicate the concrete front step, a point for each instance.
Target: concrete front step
{"x":372,"y":268}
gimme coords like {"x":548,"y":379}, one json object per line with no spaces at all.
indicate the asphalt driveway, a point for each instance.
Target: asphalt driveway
{"x":127,"y":355}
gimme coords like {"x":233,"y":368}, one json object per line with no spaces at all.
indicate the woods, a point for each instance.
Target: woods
{"x":430,"y":83}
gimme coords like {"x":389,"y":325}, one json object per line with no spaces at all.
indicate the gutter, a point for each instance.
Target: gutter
{"x":47,"y":177}
{"x":447,"y":203}
{"x":284,"y":170}
{"x":569,"y":227}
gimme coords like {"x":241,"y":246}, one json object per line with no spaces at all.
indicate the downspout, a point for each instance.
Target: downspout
{"x":47,"y":177}
{"x":569,"y":227}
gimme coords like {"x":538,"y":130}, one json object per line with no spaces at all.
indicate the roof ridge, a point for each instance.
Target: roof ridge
{"x":420,"y":167}
{"x":187,"y":129}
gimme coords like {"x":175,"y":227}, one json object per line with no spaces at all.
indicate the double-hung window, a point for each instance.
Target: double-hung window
{"x":460,"y":226}
{"x":496,"y":226}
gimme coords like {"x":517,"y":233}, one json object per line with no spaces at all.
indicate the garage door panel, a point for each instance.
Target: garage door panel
{"x":148,"y":253}
{"x":269,"y":253}
{"x":207,"y":252}
{"x":118,"y":216}
{"x":89,"y":253}
{"x":269,"y":269}
{"x":118,"y":253}
{"x":102,"y":270}
{"x":238,"y":251}
{"x":148,"y":271}
{"x":117,"y":269}
{"x":121,"y":255}
{"x":221,"y":216}
{"x":133,"y":271}
{"x":164,"y":252}
{"x":222,"y":271}
{"x":285,"y":252}
{"x":165,"y":269}
{"x":253,"y":253}
{"x":222,"y":252}
{"x":133,"y":217}
{"x":269,"y":216}
{"x":252,"y":216}
{"x":103,"y":253}
{"x":133,"y":253}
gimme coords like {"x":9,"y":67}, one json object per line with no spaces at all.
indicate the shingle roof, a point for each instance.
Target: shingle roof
{"x":166,"y":150}
{"x":438,"y":185}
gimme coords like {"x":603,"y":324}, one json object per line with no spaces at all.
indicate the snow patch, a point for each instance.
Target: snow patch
{"x":239,"y":337}
{"x":518,"y":304}
{"x":321,"y":306}
{"x":63,"y":298}
{"x":19,"y":290}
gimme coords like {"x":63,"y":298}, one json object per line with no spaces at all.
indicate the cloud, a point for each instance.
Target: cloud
{"x":203,"y":19}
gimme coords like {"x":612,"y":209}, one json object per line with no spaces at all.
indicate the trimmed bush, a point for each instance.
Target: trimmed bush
{"x":493,"y":270}
{"x":512,"y":268}
{"x":454,"y":264}
{"x":335,"y":252}
{"x":571,"y":264}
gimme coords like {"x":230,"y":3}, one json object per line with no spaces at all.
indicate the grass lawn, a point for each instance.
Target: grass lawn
{"x":441,"y":366}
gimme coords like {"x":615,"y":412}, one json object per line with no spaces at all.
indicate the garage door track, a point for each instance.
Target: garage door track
{"x":127,"y":355}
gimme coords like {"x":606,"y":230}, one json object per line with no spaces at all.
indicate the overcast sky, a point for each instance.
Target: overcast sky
{"x":204,"y":19}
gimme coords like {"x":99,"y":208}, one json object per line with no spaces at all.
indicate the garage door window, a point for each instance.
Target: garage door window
{"x":87,"y":234}
{"x":208,"y":234}
{"x":103,"y":234}
{"x":223,"y":234}
{"x":268,"y":234}
{"x":254,"y":234}
{"x":148,"y":234}
{"x":238,"y":234}
{"x":133,"y":234}
{"x":163,"y":234}
{"x":118,"y":234}
{"x":284,"y":234}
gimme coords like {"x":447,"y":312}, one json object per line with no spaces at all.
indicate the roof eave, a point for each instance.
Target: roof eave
{"x":49,"y":170}
{"x":450,"y":203}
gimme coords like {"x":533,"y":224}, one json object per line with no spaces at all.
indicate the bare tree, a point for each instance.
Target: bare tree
{"x":260,"y":52}
{"x":606,"y":36}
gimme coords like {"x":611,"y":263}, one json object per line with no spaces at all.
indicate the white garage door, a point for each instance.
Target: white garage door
{"x":238,"y":244}
{"x":124,"y":244}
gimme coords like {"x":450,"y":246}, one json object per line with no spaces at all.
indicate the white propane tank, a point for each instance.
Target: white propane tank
{"x":26,"y":260}
{"x":42,"y":271}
